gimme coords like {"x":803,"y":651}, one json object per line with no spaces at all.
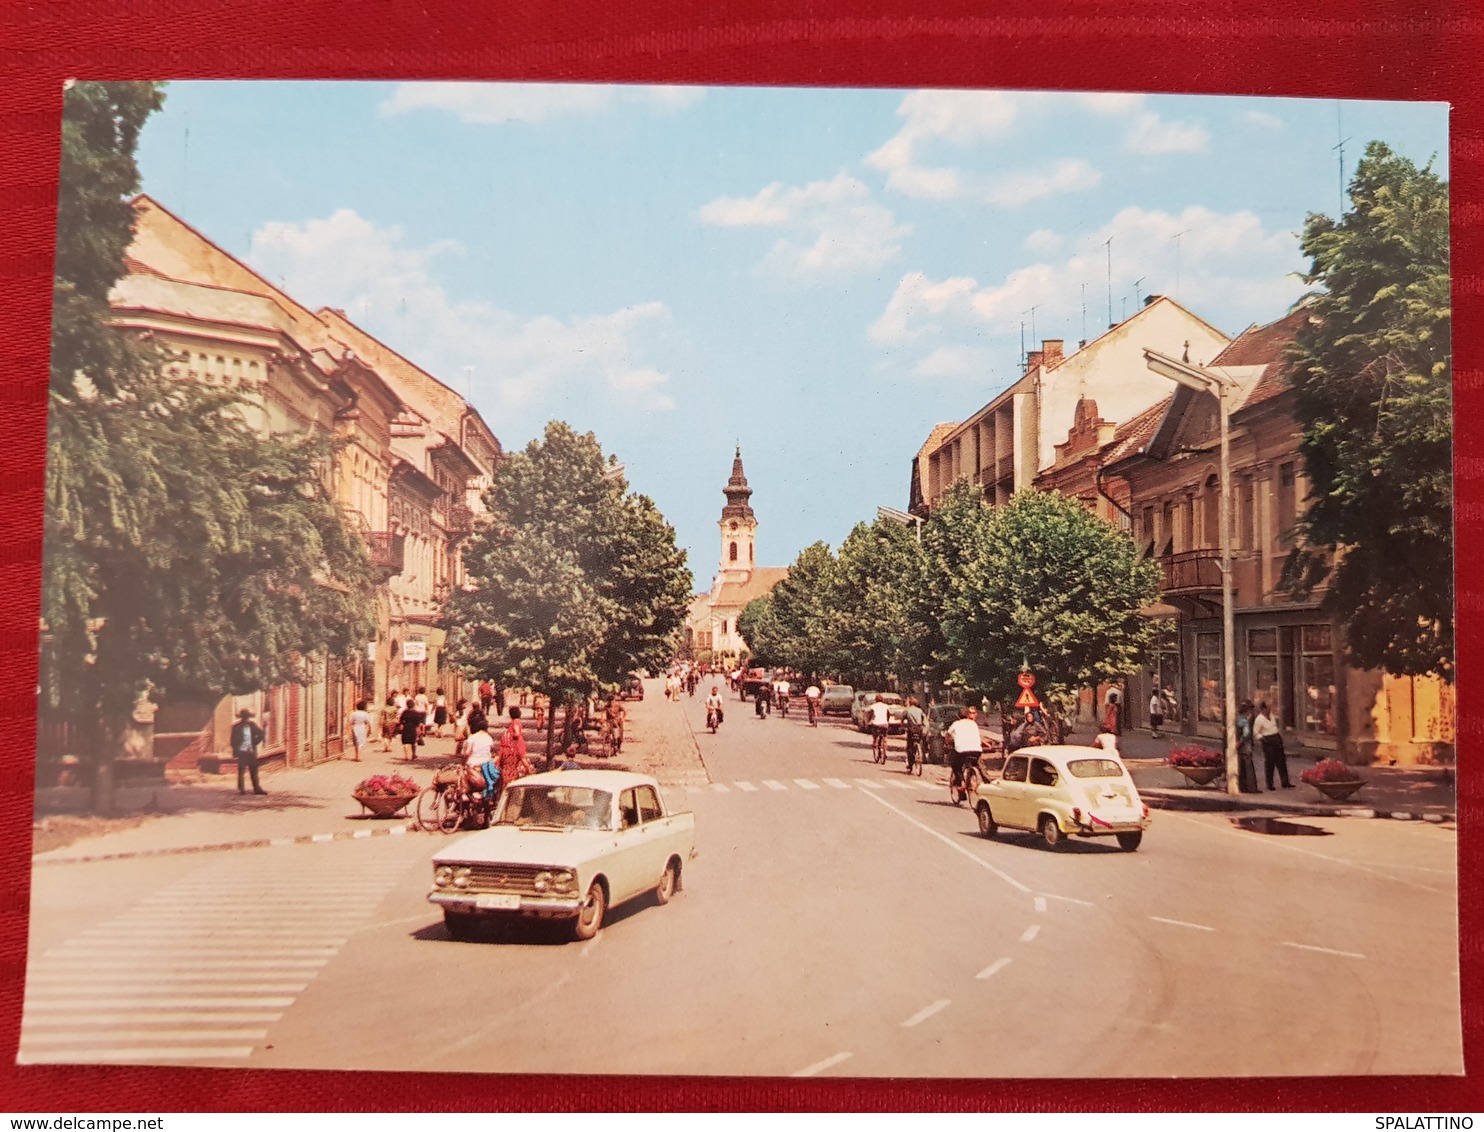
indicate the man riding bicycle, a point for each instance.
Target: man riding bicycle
{"x":713,"y":708}
{"x":811,"y":697}
{"x":968,"y":744}
{"x":780,"y":695}
{"x":880,"y":726}
{"x":915,"y":722}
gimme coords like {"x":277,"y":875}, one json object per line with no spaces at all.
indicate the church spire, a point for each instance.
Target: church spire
{"x":737,"y":492}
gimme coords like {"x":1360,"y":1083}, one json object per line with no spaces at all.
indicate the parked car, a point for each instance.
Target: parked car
{"x":753,"y":680}
{"x":860,"y":711}
{"x":565,"y":845}
{"x":633,"y":689}
{"x":1064,"y":791}
{"x":835,"y":699}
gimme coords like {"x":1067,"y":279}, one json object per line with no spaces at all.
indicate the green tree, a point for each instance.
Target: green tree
{"x":1373,"y":381}
{"x":184,"y":553}
{"x":1039,"y":581}
{"x":574,"y":583}
{"x":759,"y":626}
{"x":878,"y":616}
{"x":800,"y":606}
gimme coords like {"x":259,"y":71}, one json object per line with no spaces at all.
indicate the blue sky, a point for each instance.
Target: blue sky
{"x":821,"y":275}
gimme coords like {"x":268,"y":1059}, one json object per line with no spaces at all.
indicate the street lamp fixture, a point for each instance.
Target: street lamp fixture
{"x":1220,"y":386}
{"x":900,"y":517}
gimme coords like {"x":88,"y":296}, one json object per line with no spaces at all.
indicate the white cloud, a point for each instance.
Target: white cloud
{"x":832,"y":226}
{"x":1150,"y":134}
{"x":953,"y":361}
{"x":1043,"y":240}
{"x":1226,"y":261}
{"x":1262,"y":119}
{"x":958,"y":117}
{"x":494,"y":103}
{"x":390,"y":288}
{"x":1065,"y":176}
{"x":1111,"y":103}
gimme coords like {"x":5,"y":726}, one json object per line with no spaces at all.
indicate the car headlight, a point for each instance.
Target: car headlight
{"x":461,"y":876}
{"x":542,"y":881}
{"x":563,"y":881}
{"x":442,"y":875}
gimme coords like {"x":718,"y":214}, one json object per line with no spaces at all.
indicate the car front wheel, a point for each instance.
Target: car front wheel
{"x":987,"y":826}
{"x":590,"y":912}
{"x":1128,"y":842}
{"x":1050,"y":832}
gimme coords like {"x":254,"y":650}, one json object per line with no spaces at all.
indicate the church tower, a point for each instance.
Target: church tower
{"x":738,"y":526}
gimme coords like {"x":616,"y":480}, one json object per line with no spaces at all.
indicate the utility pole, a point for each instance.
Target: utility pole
{"x":1109,"y":244}
{"x":1177,"y":262}
{"x":1340,"y":148}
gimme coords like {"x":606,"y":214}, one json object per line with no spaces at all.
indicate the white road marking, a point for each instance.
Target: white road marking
{"x":125,"y":1001}
{"x":980,"y":861}
{"x":925,"y":1013}
{"x":993,"y":969}
{"x":838,"y":785}
{"x":774,"y":784}
{"x":821,"y":1066}
{"x":155,"y":1018}
{"x":1030,"y":933}
{"x":360,"y":834}
{"x":262,"y":982}
{"x":870,"y":783}
{"x":1068,"y":900}
{"x":1181,"y":924}
{"x":322,"y":837}
{"x":1324,"y":950}
{"x":721,"y":788}
{"x":142,"y":1054}
{"x":806,"y":784}
{"x":82,"y":1037}
{"x":897,"y":785}
{"x":921,"y":785}
{"x":240,"y":947}
{"x":747,"y":786}
{"x":1040,"y":904}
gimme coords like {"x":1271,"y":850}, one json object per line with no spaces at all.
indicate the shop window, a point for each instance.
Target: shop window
{"x":1212,"y":691}
{"x":1317,"y":673}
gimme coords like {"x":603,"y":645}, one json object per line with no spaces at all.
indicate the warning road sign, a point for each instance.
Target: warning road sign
{"x":1027,"y":699}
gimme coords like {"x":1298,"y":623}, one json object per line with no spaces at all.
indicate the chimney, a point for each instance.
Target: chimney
{"x":1151,"y":298}
{"x":1051,"y":351}
{"x":1032,"y":360}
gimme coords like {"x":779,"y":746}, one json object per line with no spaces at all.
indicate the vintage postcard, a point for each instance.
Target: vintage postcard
{"x":747,"y":582}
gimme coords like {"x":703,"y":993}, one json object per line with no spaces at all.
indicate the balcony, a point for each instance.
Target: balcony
{"x":388,"y":552}
{"x":1191,"y":572}
{"x":1004,"y":467}
{"x":459,"y":521}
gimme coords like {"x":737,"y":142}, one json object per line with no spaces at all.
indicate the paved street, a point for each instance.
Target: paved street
{"x":841,"y":919}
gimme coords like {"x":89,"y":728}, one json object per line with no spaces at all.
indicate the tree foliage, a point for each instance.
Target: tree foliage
{"x":574,"y":583}
{"x":183,"y":551}
{"x":1373,"y":380}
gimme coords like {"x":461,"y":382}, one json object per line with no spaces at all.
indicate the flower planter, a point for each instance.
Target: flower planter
{"x":1201,"y":775}
{"x":383,"y":805}
{"x":1338,"y":789}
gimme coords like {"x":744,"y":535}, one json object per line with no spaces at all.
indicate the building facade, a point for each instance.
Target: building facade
{"x":409,"y":473}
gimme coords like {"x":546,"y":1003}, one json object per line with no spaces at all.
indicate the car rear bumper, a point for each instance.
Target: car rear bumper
{"x":544,"y":907}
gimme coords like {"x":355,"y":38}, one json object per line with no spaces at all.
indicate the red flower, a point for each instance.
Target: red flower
{"x":390,"y":785}
{"x":1329,"y":770}
{"x":1197,"y":756}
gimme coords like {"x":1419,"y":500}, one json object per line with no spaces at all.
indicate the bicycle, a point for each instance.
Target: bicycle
{"x":612,"y":739}
{"x":813,"y":713}
{"x":915,"y":754}
{"x":783,"y":706}
{"x":450,"y":805}
{"x":878,"y":744}
{"x":961,"y":791}
{"x":713,"y":719}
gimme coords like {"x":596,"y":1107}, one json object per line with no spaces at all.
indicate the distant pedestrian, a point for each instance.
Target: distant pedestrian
{"x":360,"y":728}
{"x":486,"y":695}
{"x":1156,"y":713}
{"x":511,"y":756}
{"x":499,"y":702}
{"x":1246,"y":769}
{"x":440,"y":712}
{"x":390,"y":713}
{"x":1110,"y":716}
{"x":411,"y":725}
{"x":1266,"y":731}
{"x":246,"y":738}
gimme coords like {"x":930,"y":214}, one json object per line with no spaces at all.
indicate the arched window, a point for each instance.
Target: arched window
{"x":734,"y":552}
{"x":1212,"y":517}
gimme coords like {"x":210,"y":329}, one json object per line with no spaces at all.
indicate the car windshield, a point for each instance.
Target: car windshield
{"x":557,"y":807}
{"x":1095,"y":768}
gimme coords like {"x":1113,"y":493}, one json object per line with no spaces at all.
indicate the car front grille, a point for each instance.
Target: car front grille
{"x":520,"y":879}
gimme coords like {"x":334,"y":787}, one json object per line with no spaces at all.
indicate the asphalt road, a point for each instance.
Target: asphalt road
{"x":841,"y":919}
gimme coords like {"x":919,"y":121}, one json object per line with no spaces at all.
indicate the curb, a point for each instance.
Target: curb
{"x":255,"y":843}
{"x":1169,"y":800}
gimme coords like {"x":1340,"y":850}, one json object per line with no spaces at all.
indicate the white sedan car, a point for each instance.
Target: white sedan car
{"x":1064,"y":791}
{"x":565,"y":845}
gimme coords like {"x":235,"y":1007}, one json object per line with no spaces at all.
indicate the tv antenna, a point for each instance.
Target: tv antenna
{"x":1177,"y":261}
{"x":1108,"y":243}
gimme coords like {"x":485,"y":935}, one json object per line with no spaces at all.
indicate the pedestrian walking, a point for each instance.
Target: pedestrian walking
{"x":390,"y":713}
{"x":1246,"y":769}
{"x":511,"y":756}
{"x":360,"y":728}
{"x":486,"y":695}
{"x":1110,"y":716}
{"x":1156,"y":713}
{"x":411,"y":725}
{"x":246,"y":738}
{"x":440,"y":713}
{"x":1266,"y":731}
{"x":499,"y":702}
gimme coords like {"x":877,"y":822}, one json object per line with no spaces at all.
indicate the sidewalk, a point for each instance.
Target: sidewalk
{"x":1406,"y":793}
{"x":200,"y":812}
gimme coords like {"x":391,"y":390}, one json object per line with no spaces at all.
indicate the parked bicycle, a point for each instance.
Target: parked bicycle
{"x":449,"y":804}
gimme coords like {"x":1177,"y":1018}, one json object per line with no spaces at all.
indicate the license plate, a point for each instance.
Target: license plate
{"x":493,"y":901}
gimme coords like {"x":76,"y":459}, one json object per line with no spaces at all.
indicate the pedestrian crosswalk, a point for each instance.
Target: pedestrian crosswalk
{"x":874,"y":784}
{"x":199,"y":971}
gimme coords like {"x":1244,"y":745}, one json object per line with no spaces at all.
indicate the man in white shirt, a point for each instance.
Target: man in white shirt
{"x":880,"y":721}
{"x":811,"y":697}
{"x":1265,"y":730}
{"x":713,"y":704}
{"x":479,"y":752}
{"x":968,"y":744}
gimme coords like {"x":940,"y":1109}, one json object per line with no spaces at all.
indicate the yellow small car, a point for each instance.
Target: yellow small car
{"x":1063,"y":791}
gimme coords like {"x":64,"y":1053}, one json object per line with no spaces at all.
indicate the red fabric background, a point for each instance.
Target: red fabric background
{"x":1330,"y":48}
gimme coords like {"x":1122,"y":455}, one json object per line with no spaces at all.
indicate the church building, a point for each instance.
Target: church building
{"x":711,"y":624}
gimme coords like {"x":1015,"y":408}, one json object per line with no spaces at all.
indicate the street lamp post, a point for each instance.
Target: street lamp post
{"x":1209,"y":381}
{"x":900,"y":517}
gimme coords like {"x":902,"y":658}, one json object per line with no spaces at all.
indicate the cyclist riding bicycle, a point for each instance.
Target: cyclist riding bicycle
{"x":481,"y":772}
{"x":880,"y":726}
{"x":613,"y":721}
{"x":915,"y":721}
{"x":968,"y":745}
{"x":780,"y":696}
{"x":714,"y":713}
{"x":811,"y":697}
